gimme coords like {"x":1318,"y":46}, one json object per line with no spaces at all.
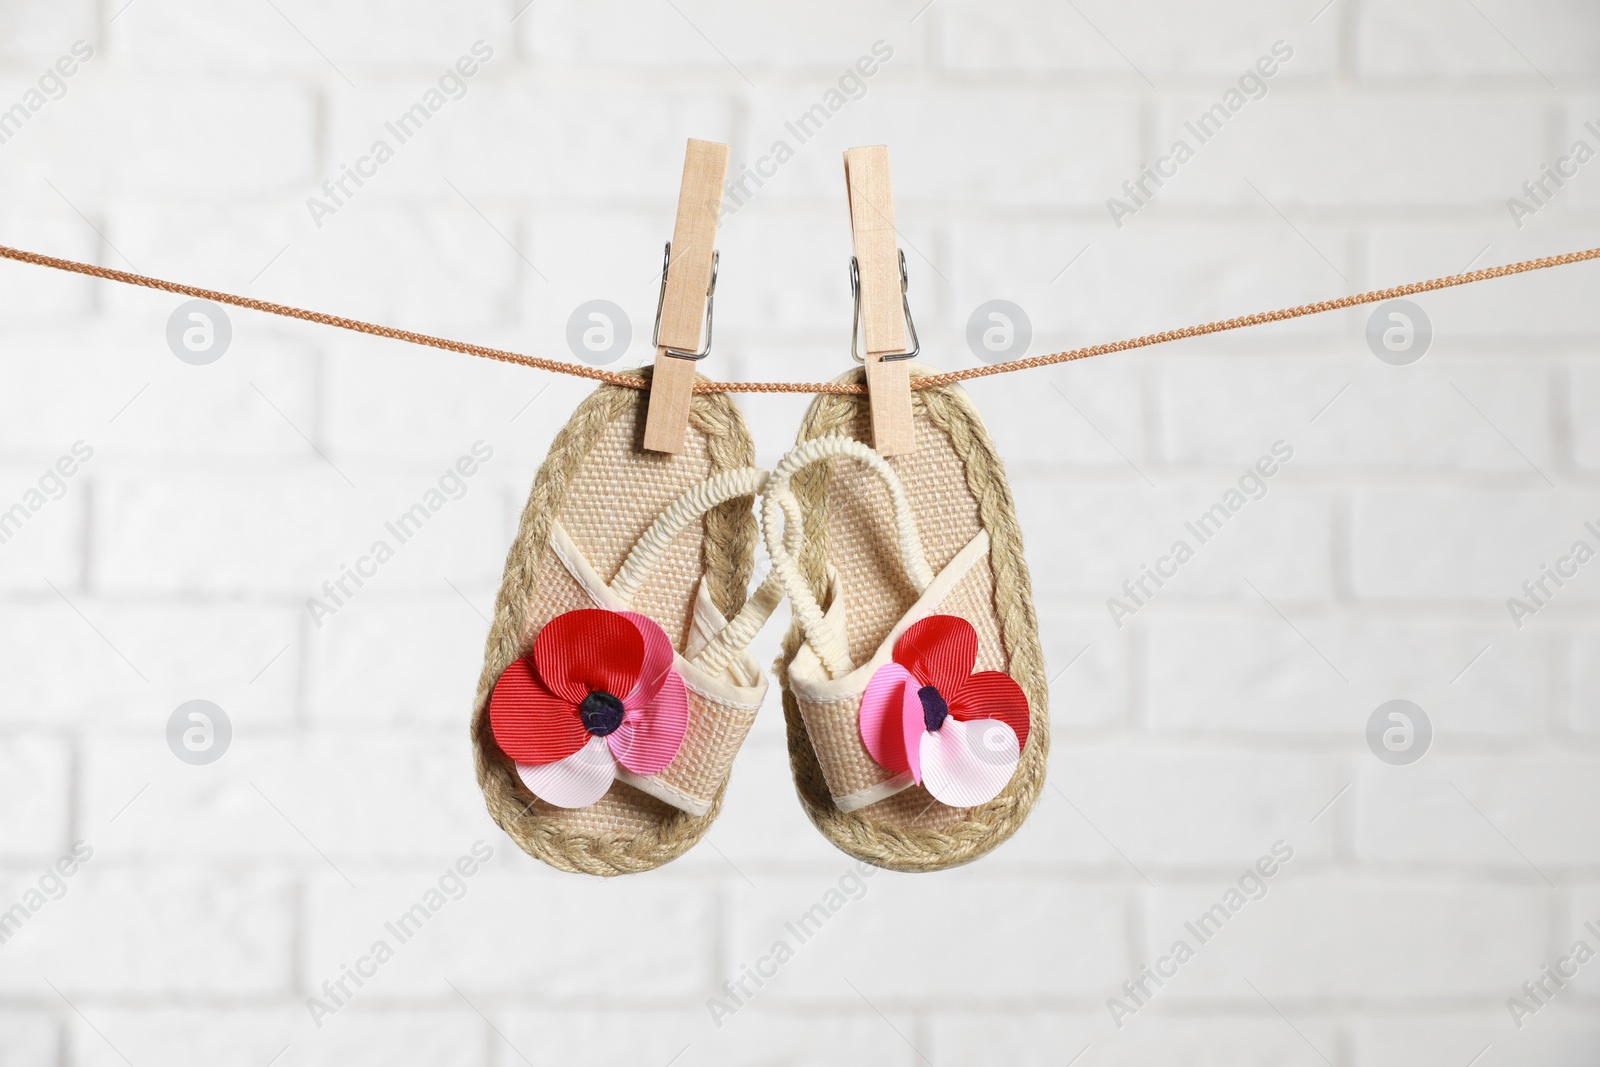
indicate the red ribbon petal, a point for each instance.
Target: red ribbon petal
{"x":531,"y":724}
{"x":587,"y":650}
{"x":940,"y":651}
{"x":993,"y":695}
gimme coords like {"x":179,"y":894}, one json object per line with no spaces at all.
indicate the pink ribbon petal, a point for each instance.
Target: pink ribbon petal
{"x":882,"y":717}
{"x":968,"y":763}
{"x":657,"y":660}
{"x":913,"y":727}
{"x":650,"y":736}
{"x":575,"y":782}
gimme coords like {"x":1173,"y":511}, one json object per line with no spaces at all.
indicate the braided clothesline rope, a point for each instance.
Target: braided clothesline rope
{"x":930,"y":381}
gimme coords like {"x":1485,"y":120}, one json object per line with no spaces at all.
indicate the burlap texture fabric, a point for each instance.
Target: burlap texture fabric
{"x":957,"y":488}
{"x":605,"y":492}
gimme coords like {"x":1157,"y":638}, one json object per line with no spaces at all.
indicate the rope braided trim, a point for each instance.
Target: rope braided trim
{"x":902,"y":848}
{"x":840,"y":388}
{"x":728,"y":552}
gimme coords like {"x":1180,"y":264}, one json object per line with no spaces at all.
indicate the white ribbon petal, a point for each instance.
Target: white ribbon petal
{"x":575,"y":782}
{"x":967,"y":763}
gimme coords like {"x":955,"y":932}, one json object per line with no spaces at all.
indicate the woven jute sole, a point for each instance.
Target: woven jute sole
{"x":957,"y":488}
{"x":605,"y":491}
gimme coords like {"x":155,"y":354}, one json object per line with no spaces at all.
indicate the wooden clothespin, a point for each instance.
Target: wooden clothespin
{"x":878,"y":275}
{"x":688,"y":279}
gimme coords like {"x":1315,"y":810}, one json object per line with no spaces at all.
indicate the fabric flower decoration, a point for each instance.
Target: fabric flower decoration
{"x":925,"y":713}
{"x":596,"y":691}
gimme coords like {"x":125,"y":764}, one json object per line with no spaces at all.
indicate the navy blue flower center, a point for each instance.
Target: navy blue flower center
{"x":934,"y":709}
{"x":601,"y":713}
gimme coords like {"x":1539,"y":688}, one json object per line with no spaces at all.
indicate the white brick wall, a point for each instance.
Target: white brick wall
{"x":1228,"y":714}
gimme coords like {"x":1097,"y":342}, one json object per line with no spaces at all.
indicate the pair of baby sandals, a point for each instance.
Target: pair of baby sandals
{"x":618,"y":687}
